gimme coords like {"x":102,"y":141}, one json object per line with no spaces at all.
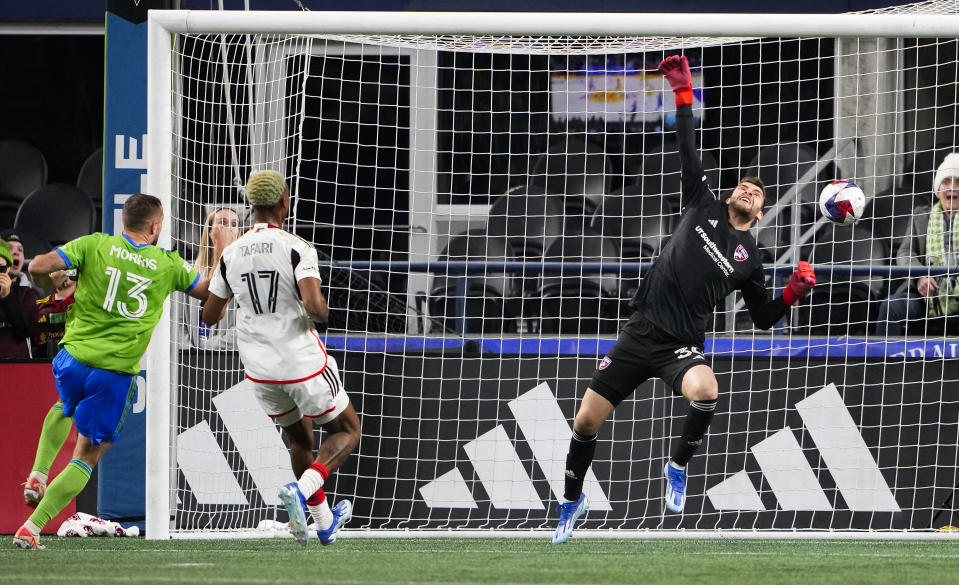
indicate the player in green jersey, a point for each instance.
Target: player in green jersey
{"x":122,"y":283}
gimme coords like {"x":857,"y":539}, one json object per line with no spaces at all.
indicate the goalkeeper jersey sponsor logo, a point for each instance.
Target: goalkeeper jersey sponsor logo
{"x":714,"y":252}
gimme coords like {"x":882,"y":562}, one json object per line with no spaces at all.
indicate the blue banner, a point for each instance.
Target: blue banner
{"x":121,"y":487}
{"x":125,"y":117}
{"x":121,"y":483}
{"x":778,"y":346}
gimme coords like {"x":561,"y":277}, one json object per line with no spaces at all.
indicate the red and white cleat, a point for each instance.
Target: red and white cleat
{"x":26,"y":539}
{"x":33,"y":490}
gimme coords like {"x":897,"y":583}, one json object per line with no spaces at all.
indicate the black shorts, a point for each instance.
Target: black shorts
{"x":646,"y":352}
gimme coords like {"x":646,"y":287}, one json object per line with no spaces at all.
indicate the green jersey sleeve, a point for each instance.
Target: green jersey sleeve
{"x":186,"y":277}
{"x":75,"y":251}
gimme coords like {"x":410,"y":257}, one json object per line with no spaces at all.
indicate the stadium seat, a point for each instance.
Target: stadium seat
{"x":840,"y":303}
{"x":9,"y":204}
{"x":578,"y":169}
{"x":489,"y":298}
{"x":529,"y":222}
{"x":890,"y":213}
{"x":23,"y":168}
{"x":90,"y":180}
{"x":58,"y":213}
{"x":32,"y":243}
{"x":661,"y":170}
{"x":780,"y":167}
{"x":631,"y":164}
{"x":637,"y":224}
{"x":530,"y":188}
{"x":774,"y":237}
{"x":358,"y":301}
{"x":579,"y":303}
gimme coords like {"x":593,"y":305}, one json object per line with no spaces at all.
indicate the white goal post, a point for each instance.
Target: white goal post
{"x":829,"y":425}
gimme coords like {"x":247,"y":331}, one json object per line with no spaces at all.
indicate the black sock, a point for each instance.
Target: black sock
{"x":581,"y":450}
{"x":694,"y":429}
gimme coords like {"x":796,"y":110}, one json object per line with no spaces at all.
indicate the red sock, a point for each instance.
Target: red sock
{"x":317,"y":498}
{"x":321,"y":469}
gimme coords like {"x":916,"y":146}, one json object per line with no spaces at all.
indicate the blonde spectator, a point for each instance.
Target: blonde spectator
{"x":220,"y":229}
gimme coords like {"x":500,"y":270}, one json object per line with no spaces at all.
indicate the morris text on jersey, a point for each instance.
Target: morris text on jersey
{"x":124,"y":254}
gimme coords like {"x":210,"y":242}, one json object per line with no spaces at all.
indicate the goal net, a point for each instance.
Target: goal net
{"x":486,"y":192}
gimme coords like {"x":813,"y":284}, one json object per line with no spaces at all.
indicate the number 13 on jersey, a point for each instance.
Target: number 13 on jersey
{"x":135,"y":291}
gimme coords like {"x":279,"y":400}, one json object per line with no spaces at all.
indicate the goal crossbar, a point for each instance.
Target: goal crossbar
{"x":534,"y":23}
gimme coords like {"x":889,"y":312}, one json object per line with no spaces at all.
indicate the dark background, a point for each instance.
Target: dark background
{"x":72,"y":10}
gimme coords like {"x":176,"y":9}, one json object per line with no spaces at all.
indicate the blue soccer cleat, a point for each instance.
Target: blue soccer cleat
{"x":342,"y":512}
{"x":569,"y":513}
{"x":675,"y":488}
{"x":294,"y":502}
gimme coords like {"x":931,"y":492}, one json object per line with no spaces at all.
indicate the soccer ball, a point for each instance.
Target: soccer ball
{"x":842,"y":202}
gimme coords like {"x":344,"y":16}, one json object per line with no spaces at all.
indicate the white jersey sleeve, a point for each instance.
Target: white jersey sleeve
{"x":218,"y":283}
{"x":275,"y":336}
{"x":308,"y":266}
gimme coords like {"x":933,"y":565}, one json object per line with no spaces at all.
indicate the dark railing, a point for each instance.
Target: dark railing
{"x":463,"y":269}
{"x":455,"y":268}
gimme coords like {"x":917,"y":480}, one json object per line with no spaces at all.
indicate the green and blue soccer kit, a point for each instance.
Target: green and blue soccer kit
{"x":121,"y":287}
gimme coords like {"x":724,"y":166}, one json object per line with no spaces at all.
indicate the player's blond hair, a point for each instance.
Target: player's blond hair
{"x":265,"y":188}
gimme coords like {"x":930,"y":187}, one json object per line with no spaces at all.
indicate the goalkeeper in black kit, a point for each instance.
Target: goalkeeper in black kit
{"x":711,"y":254}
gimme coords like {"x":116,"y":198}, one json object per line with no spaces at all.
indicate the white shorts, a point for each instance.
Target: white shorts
{"x":321,"y":398}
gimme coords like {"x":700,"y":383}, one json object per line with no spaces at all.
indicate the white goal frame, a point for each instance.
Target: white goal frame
{"x":163,"y":24}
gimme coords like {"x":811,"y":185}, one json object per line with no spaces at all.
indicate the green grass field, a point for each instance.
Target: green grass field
{"x":461,"y":561}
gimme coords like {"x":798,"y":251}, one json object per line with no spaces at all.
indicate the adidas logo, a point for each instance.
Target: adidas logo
{"x":713,"y":222}
{"x":504,"y":477}
{"x":201,"y":460}
{"x":500,"y":470}
{"x":570,"y":474}
{"x":792,"y":480}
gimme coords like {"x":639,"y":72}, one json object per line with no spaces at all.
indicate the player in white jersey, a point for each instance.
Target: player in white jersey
{"x":275,"y":279}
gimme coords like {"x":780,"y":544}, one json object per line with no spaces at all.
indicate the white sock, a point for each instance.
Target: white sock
{"x":675,"y":465}
{"x":309,"y":482}
{"x":322,"y":515}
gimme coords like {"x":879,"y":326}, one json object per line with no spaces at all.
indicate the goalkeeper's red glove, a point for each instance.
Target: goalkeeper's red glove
{"x":675,"y":69}
{"x":800,"y":283}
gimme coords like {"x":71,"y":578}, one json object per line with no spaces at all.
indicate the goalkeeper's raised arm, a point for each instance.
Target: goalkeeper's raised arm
{"x":675,"y":70}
